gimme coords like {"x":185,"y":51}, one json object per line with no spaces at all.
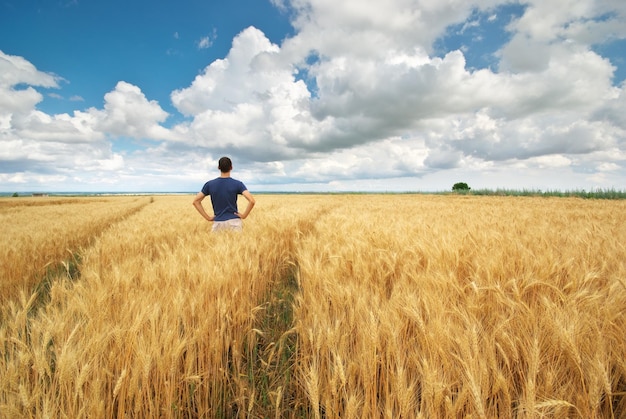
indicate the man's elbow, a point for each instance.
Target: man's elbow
{"x":249,"y":198}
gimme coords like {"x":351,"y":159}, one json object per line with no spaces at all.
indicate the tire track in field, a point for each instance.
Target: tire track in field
{"x":70,"y":268}
{"x":275,"y":351}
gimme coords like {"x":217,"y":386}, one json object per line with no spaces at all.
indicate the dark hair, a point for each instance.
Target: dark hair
{"x":225,"y":165}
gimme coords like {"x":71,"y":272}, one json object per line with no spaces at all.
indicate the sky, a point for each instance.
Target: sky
{"x":312,"y":95}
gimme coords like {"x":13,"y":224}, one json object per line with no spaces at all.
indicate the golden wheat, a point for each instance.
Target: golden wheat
{"x":326,"y":306}
{"x":498,"y":306}
{"x":40,"y":233}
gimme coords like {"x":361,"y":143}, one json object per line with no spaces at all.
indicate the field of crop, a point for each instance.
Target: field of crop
{"x":352,"y":306}
{"x":40,"y":233}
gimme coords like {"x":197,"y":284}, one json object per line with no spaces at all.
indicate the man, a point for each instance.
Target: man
{"x":224,"y":191}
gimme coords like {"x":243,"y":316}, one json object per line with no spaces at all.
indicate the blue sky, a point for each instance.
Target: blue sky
{"x":157,"y":45}
{"x":312,"y":95}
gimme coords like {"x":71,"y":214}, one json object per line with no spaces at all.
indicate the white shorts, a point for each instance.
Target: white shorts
{"x":235,"y":224}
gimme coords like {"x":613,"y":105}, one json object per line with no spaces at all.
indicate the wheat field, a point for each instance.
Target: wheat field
{"x":326,"y":306}
{"x":38,"y":233}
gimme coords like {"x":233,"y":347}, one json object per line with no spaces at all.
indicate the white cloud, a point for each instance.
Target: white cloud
{"x":39,"y":126}
{"x":205,"y":43}
{"x":586,"y":21}
{"x":18,"y":101}
{"x":608,"y":167}
{"x":128,"y":113}
{"x":244,"y":73}
{"x":368,"y":28}
{"x":16,"y":70}
{"x":249,"y":101}
{"x":39,"y":148}
{"x":113,"y":163}
{"x":550,"y":161}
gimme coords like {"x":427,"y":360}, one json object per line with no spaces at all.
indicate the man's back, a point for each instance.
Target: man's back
{"x":224,"y":192}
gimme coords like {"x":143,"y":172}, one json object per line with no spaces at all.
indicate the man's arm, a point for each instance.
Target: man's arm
{"x":197,"y":202}
{"x":246,"y":194}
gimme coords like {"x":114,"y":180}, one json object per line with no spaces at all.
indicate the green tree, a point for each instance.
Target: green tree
{"x":461,"y":186}
{"x":15,"y":195}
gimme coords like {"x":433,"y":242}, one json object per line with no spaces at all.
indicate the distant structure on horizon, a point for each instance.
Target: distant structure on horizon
{"x":40,"y":194}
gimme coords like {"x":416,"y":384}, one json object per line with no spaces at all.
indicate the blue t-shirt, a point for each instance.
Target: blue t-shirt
{"x":224,"y":192}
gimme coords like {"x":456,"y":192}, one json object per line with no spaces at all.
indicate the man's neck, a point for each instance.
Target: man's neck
{"x":227,"y":174}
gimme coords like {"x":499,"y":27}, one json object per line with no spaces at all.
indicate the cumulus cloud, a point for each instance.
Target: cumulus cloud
{"x":253,"y":103}
{"x":584,"y":21}
{"x":33,"y":141}
{"x":16,"y":70}
{"x":39,"y":148}
{"x":544,"y":102}
{"x":219,"y":87}
{"x":358,"y":92}
{"x":128,"y":113}
{"x":249,"y":101}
